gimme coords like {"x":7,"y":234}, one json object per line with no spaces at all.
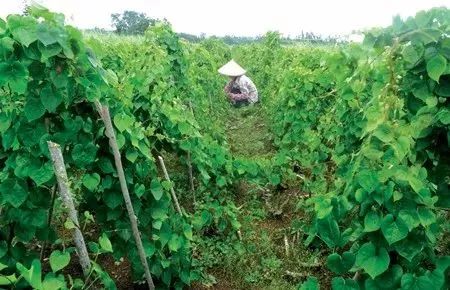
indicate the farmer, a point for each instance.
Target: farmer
{"x":240,"y":89}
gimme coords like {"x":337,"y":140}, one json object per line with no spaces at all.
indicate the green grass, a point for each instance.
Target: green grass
{"x":248,"y":132}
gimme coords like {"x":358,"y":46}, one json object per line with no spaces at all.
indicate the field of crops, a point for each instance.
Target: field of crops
{"x":123,"y":166}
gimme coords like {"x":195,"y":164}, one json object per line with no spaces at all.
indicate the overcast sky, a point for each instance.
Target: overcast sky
{"x":240,"y":17}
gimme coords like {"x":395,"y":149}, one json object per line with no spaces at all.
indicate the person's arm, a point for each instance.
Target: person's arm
{"x":233,"y":97}
{"x":228,"y":86}
{"x":227,"y":90}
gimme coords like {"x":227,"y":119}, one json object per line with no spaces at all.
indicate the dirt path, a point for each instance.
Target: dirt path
{"x":262,"y":261}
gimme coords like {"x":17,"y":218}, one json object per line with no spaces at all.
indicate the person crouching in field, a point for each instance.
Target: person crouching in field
{"x":241,"y":91}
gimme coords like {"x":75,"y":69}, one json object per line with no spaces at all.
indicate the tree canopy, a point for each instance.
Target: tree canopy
{"x":131,"y":22}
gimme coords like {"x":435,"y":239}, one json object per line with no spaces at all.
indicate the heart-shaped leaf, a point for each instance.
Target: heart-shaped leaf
{"x":339,"y":283}
{"x":341,"y":264}
{"x":34,"y":109}
{"x":42,"y":175}
{"x":112,"y":199}
{"x":436,"y":66}
{"x":59,"y":260}
{"x":374,"y":261}
{"x":105,"y":243}
{"x":123,"y":121}
{"x":139,"y":190}
{"x":91,"y":181}
{"x":393,"y":230}
{"x":372,"y":221}
{"x":156,"y":189}
{"x":15,"y":74}
{"x":13,"y":192}
{"x":175,"y":243}
{"x":187,"y":231}
{"x":50,"y":98}
{"x":368,"y":180}
{"x":23,"y":28}
{"x":328,"y":231}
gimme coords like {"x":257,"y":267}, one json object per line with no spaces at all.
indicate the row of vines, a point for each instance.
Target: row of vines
{"x":366,"y":128}
{"x":51,"y":78}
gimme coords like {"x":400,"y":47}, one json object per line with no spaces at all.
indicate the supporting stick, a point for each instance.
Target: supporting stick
{"x":191,"y":108}
{"x":239,"y":233}
{"x":286,"y":245}
{"x":66,"y":196}
{"x":296,"y":275}
{"x":172,"y":191}
{"x":309,"y":265}
{"x":104,"y":114}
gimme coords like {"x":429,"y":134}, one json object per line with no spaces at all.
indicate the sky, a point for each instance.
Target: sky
{"x":240,"y":17}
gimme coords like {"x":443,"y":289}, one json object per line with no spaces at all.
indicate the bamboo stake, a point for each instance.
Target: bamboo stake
{"x":309,"y":265}
{"x":172,"y":191}
{"x":104,"y":114}
{"x":296,"y":275}
{"x":191,"y":108}
{"x":286,"y":245}
{"x":239,"y":233}
{"x":66,"y":196}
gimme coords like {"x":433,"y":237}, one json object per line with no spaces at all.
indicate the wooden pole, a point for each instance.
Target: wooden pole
{"x":66,"y":196}
{"x":172,"y":191}
{"x":104,"y":114}
{"x":191,"y":108}
{"x":286,"y":245}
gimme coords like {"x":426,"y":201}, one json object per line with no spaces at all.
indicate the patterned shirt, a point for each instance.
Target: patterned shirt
{"x":242,"y":88}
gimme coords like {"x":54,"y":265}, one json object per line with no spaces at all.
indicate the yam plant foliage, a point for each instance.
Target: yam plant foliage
{"x":50,"y":80}
{"x":368,"y":127}
{"x":364,"y":126}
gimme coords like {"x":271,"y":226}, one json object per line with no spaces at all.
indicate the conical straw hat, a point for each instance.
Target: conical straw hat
{"x":232,"y":69}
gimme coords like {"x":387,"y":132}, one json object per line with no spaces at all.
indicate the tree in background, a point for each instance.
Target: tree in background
{"x":131,"y":22}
